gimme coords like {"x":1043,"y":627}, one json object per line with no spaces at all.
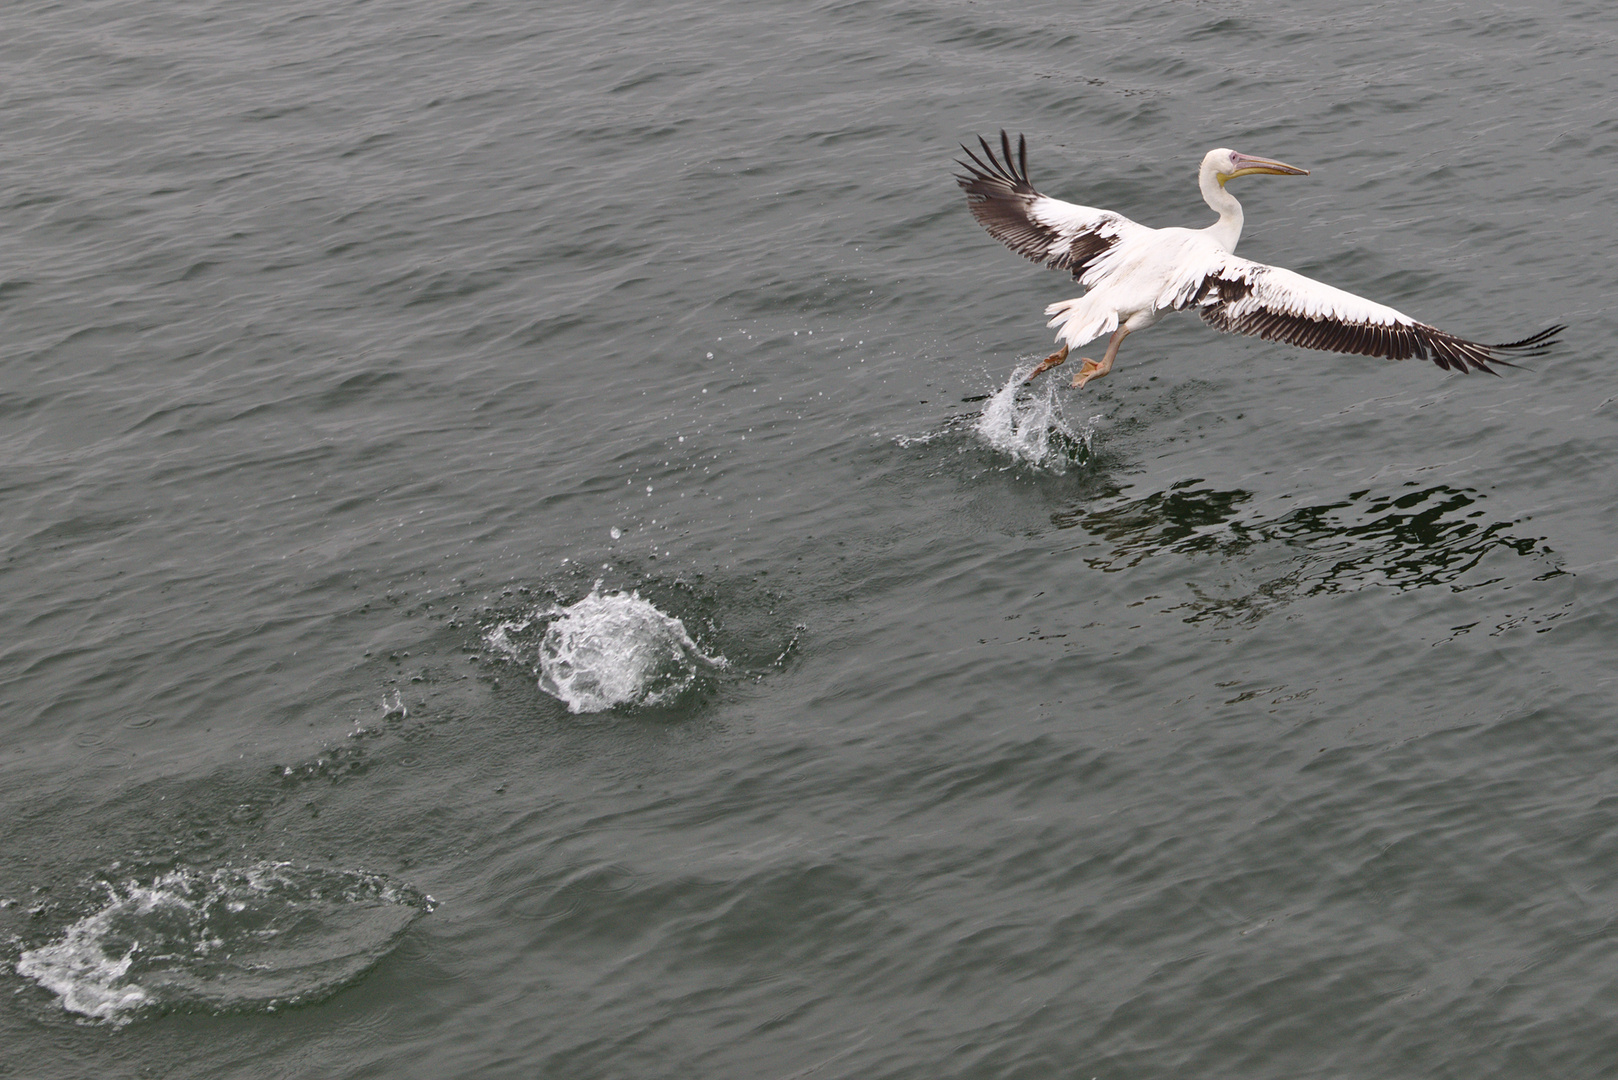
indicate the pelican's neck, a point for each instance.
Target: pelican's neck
{"x":1228,"y":229}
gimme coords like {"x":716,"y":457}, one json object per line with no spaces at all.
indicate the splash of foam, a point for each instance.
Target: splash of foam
{"x":230,"y":939}
{"x":1034,"y":430}
{"x":618,"y":649}
{"x":85,"y":969}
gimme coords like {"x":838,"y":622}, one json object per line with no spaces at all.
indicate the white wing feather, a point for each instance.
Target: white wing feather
{"x":1277,"y":290}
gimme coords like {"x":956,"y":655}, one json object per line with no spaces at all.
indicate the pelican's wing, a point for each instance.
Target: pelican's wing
{"x":1062,"y":235}
{"x":1244,"y":297}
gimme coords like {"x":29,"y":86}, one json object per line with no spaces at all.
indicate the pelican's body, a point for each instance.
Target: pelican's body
{"x":1134,"y":275}
{"x":1135,"y":288}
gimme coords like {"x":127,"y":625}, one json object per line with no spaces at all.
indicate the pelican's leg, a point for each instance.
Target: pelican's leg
{"x":1046,"y":364}
{"x":1093,"y":370}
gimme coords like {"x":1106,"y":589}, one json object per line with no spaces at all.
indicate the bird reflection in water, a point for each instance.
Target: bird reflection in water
{"x":1406,"y":539}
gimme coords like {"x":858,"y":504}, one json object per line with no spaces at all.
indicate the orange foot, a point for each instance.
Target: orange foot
{"x":1046,"y":364}
{"x":1090,"y":370}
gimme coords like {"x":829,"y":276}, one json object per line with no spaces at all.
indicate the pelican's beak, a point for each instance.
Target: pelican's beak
{"x":1247,"y":165}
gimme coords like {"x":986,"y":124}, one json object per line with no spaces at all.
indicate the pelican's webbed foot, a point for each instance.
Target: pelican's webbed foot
{"x":1093,"y":370}
{"x":1046,"y":364}
{"x":1090,"y":370}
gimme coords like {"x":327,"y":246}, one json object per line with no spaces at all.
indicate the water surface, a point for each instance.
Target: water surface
{"x":1246,"y":714}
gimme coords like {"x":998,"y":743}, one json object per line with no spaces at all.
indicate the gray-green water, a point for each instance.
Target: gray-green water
{"x":1266,"y":730}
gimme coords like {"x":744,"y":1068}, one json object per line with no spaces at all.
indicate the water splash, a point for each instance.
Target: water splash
{"x":618,"y":649}
{"x":500,"y":637}
{"x":1034,"y":430}
{"x":233,"y":939}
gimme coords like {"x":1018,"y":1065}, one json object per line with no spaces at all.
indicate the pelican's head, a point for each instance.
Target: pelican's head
{"x":1226,"y":164}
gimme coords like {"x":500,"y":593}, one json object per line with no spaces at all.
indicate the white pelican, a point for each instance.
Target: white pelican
{"x":1132,"y":274}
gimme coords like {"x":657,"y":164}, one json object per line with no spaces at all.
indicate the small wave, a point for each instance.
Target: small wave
{"x":1034,"y":430}
{"x":227,"y":940}
{"x":614,"y":649}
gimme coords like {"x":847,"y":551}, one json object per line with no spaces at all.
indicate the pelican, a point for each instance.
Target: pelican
{"x":1133,"y":275}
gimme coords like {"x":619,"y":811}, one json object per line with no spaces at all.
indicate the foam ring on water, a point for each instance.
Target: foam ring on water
{"x":252,"y":937}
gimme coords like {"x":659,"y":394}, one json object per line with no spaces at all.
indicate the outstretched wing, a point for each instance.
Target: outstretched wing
{"x":1245,"y":297}
{"x":1062,"y":235}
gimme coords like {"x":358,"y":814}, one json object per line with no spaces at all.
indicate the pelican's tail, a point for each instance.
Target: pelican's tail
{"x":1081,"y":320}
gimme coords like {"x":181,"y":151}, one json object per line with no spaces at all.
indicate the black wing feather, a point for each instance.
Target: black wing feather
{"x":1002,"y":199}
{"x":1237,"y":303}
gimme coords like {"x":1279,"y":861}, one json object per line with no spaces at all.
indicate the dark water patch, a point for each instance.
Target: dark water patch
{"x":652,"y":74}
{"x":16,"y":406}
{"x":13,"y":287}
{"x":1403,"y":540}
{"x":197,"y":269}
{"x":588,"y":898}
{"x":1021,"y":772}
{"x":786,"y":912}
{"x":1221,"y":28}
